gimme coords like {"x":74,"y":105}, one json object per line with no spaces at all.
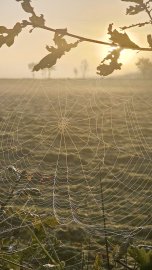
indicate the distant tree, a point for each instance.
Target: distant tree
{"x":50,"y":71}
{"x":46,"y":72}
{"x":145,"y":67}
{"x":75,"y":70}
{"x":84,"y":68}
{"x":43,"y":73}
{"x":31,"y":66}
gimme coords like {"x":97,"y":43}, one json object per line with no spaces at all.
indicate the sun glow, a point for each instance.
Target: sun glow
{"x":126,"y":55}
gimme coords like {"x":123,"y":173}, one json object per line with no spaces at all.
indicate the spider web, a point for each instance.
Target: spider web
{"x":69,"y":138}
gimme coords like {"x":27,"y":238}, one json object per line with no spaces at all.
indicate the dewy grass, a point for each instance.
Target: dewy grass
{"x":104,"y":221}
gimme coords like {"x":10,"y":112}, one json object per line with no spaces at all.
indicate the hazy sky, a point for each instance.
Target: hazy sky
{"x":83,"y":17}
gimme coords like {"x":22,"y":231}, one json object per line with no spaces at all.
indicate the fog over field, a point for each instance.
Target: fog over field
{"x":75,"y":135}
{"x":75,"y":155}
{"x":71,"y":129}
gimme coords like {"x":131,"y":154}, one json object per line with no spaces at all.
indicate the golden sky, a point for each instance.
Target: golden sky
{"x":83,"y":17}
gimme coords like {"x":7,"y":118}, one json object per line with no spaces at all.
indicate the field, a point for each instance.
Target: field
{"x":78,"y":142}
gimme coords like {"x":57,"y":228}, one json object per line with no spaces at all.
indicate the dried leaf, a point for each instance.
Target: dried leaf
{"x":149,"y":39}
{"x":11,"y":34}
{"x":27,"y":6}
{"x":37,"y":21}
{"x":132,"y":10}
{"x":25,"y":23}
{"x":55,"y":52}
{"x":3,"y":30}
{"x":105,"y":69}
{"x":122,"y":39}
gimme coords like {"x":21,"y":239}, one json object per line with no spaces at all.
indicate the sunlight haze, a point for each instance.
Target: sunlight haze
{"x":85,"y":18}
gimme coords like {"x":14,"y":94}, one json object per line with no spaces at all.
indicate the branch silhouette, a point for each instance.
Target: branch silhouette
{"x":118,"y":40}
{"x":82,"y":38}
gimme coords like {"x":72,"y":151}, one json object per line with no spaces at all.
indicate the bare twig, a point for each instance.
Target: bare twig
{"x":135,"y":25}
{"x":148,"y":12}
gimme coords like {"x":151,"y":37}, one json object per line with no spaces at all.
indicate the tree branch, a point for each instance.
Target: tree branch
{"x":148,"y":12}
{"x":91,"y":40}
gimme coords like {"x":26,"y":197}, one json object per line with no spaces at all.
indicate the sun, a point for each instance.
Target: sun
{"x":126,"y":55}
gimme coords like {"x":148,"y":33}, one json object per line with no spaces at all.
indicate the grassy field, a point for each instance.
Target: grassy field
{"x":70,"y":136}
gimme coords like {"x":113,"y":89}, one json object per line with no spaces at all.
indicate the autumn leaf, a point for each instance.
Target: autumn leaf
{"x":3,"y":30}
{"x":132,"y":10}
{"x":10,"y":34}
{"x":135,"y":10}
{"x":24,"y":23}
{"x":55,"y":52}
{"x":27,"y":6}
{"x":37,"y":21}
{"x":122,"y":39}
{"x":110,"y":63}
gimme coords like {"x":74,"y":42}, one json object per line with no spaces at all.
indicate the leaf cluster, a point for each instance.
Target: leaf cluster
{"x":37,"y":21}
{"x":110,"y":62}
{"x":108,"y":65}
{"x":7,"y":36}
{"x":138,"y":7}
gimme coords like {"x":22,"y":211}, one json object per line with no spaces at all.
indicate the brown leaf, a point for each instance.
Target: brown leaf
{"x":141,"y":6}
{"x":55,"y":52}
{"x":105,"y":69}
{"x":17,"y":29}
{"x":11,"y":34}
{"x":26,"y":6}
{"x":133,"y":10}
{"x":24,"y":23}
{"x":3,"y":30}
{"x":122,"y":39}
{"x":37,"y":21}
